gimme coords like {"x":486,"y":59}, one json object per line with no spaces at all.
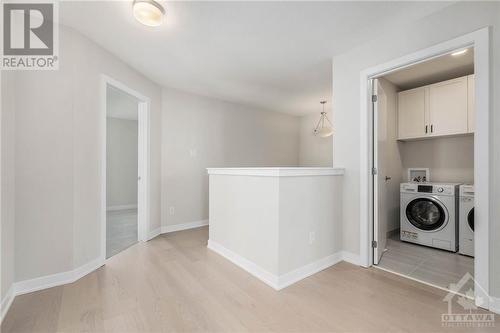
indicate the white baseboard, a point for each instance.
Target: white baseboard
{"x":6,"y":302}
{"x":176,"y":227}
{"x":290,"y":278}
{"x":154,"y":233}
{"x":273,"y":280}
{"x":495,"y":304}
{"x":120,"y":207}
{"x":351,"y":258}
{"x":255,"y":270}
{"x":53,"y":280}
{"x":48,"y":281}
{"x":183,"y":226}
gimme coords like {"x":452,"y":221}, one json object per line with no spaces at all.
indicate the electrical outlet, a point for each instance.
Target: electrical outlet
{"x":312,"y":237}
{"x":172,"y":210}
{"x":193,"y":152}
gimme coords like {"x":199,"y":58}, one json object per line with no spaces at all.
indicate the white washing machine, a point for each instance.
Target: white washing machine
{"x":466,"y":220}
{"x":429,"y":214}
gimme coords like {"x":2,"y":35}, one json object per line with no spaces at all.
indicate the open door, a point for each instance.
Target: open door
{"x":380,"y":210}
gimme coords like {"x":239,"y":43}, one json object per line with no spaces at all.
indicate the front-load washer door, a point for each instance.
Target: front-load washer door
{"x":426,"y":214}
{"x":470,"y":219}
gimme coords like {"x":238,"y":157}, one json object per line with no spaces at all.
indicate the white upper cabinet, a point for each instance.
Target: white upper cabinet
{"x":444,"y":108}
{"x":448,"y":107}
{"x":412,"y":113}
{"x":470,"y":104}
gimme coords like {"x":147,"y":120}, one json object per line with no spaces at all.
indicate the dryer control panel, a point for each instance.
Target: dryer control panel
{"x":467,"y":191}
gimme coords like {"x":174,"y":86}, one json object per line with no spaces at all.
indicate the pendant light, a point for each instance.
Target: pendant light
{"x":148,"y":12}
{"x":323,"y":129}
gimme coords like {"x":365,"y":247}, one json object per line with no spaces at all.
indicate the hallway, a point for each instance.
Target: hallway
{"x":174,"y":283}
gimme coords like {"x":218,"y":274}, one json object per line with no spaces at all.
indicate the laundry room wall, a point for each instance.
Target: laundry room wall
{"x":448,"y":159}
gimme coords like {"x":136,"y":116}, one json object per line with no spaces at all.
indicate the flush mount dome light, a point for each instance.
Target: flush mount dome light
{"x":148,"y":12}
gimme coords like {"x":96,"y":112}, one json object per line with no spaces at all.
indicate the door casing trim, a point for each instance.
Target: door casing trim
{"x":143,"y":199}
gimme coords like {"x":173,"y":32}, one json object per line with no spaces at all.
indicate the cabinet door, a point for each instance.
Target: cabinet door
{"x":471,"y":120}
{"x":411,"y":113}
{"x":448,"y":107}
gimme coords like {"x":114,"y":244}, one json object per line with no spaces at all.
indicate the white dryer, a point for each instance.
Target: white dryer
{"x":429,"y":214}
{"x":466,"y":220}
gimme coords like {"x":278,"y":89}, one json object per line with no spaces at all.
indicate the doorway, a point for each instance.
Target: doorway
{"x":479,"y":42}
{"x":422,"y":116}
{"x":121,"y":170}
{"x":125,"y":161}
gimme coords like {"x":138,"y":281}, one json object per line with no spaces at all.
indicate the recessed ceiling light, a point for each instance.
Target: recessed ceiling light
{"x":148,"y":12}
{"x":464,"y":51}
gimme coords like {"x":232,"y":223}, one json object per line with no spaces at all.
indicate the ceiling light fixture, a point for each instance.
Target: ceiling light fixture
{"x":322,"y":129}
{"x":148,"y":12}
{"x":459,"y":52}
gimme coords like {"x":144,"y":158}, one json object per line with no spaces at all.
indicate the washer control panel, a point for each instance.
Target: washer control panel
{"x":445,"y":189}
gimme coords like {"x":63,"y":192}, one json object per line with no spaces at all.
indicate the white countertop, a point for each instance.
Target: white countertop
{"x":277,"y":171}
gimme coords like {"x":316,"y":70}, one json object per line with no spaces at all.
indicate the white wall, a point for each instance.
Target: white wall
{"x":314,"y":151}
{"x":122,"y":162}
{"x":58,"y":153}
{"x":200,"y":132}
{"x":449,"y":159}
{"x":7,"y":118}
{"x":244,"y":217}
{"x":268,"y":219}
{"x":393,"y":163}
{"x":54,"y":145}
{"x":453,"y":21}
{"x":309,"y":204}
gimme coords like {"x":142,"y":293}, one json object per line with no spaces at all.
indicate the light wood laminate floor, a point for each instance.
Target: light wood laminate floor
{"x":174,"y":283}
{"x":437,"y":267}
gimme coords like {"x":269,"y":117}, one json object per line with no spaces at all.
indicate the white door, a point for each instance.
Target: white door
{"x":380,"y":208}
{"x":448,"y":107}
{"x":412,"y":113}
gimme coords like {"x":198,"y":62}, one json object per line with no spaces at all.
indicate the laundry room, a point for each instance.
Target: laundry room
{"x":423,"y":153}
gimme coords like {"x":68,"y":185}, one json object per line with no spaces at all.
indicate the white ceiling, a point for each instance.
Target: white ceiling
{"x":273,"y":55}
{"x":121,"y":105}
{"x":438,"y":69}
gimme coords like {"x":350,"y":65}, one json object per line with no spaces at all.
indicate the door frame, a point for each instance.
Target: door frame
{"x":375,"y":183}
{"x":480,"y":40}
{"x":143,"y":155}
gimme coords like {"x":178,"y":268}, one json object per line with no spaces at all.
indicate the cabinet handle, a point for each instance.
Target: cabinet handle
{"x":432,"y":128}
{"x":425,"y":129}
